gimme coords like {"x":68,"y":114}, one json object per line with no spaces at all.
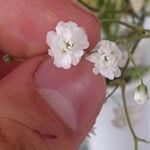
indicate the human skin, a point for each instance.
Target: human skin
{"x":34,"y":95}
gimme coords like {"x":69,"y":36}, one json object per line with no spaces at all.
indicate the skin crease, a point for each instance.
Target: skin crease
{"x":27,"y":122}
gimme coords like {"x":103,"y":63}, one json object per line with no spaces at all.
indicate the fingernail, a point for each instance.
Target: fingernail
{"x":76,"y":95}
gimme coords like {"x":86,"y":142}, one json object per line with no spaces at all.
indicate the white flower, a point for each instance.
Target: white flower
{"x":141,"y":94}
{"x":67,"y":44}
{"x":107,"y":59}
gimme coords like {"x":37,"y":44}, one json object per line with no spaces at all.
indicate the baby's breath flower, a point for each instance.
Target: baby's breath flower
{"x":67,"y":44}
{"x":107,"y":59}
{"x":141,"y":94}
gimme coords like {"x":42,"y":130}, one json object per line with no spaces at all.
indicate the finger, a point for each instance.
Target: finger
{"x":24,"y":24}
{"x":57,"y":105}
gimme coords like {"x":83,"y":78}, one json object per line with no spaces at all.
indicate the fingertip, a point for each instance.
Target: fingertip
{"x":23,"y":32}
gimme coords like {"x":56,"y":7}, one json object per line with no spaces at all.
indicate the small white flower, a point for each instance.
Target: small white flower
{"x":141,"y":94}
{"x":67,"y":44}
{"x":107,"y":59}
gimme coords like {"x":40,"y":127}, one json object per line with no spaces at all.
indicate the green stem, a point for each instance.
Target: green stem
{"x":116,"y":11}
{"x":135,"y":66}
{"x":147,"y":30}
{"x":88,"y":6}
{"x":143,"y":140}
{"x":127,"y":116}
{"x":137,"y":37}
{"x":128,"y":60}
{"x":135,"y":137}
{"x":122,"y":23}
{"x":135,"y":144}
{"x":126,"y":109}
{"x":9,"y":59}
{"x":111,"y":93}
{"x":138,"y":29}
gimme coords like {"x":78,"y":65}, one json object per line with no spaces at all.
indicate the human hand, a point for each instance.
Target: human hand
{"x":43,"y":107}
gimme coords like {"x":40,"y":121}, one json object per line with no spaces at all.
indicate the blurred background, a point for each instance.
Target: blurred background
{"x":111,"y":128}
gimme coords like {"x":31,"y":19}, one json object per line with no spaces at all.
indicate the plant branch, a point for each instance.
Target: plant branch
{"x":88,"y":6}
{"x":126,"y":108}
{"x":127,"y":116}
{"x":143,"y":140}
{"x":124,"y":69}
{"x":111,"y":93}
{"x":129,"y":39}
{"x":128,"y":60}
{"x":135,"y":137}
{"x":135,"y":66}
{"x":120,"y":22}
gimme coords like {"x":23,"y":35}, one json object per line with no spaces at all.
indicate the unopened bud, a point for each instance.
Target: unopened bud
{"x":7,"y":58}
{"x":141,"y":94}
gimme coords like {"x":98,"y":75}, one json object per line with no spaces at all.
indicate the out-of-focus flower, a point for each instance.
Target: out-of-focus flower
{"x":107,"y":58}
{"x":120,"y":120}
{"x":141,"y":94}
{"x":67,"y":44}
{"x":137,"y":5}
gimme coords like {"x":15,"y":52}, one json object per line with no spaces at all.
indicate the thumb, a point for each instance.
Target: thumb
{"x":56,"y":106}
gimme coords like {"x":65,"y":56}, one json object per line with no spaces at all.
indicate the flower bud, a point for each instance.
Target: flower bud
{"x":141,"y":94}
{"x":7,"y":58}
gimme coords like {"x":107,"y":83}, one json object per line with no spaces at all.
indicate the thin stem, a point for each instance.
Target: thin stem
{"x":147,"y":30}
{"x":138,"y":37}
{"x":143,"y":140}
{"x":135,"y":137}
{"x":127,"y":116}
{"x":135,"y":144}
{"x":122,"y":23}
{"x":124,"y":69}
{"x":126,"y":109}
{"x":135,"y":66}
{"x":138,"y":29}
{"x":9,"y":59}
{"x":111,"y":93}
{"x":128,"y":60}
{"x":116,"y":11}
{"x":88,"y":6}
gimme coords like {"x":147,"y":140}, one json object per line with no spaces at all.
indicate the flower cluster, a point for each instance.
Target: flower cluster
{"x":67,"y":45}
